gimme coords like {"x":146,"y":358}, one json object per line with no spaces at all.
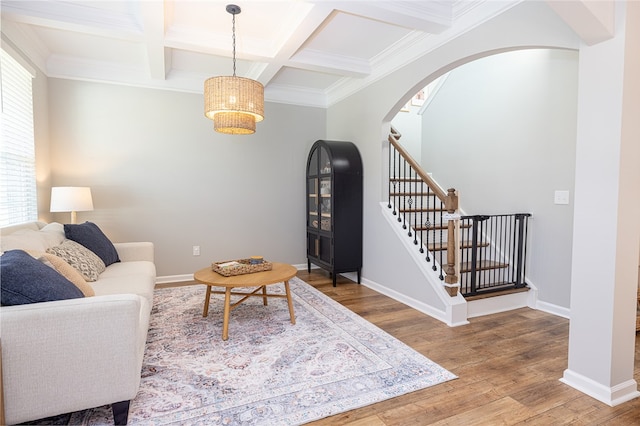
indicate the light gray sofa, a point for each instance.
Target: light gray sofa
{"x":69,"y":355}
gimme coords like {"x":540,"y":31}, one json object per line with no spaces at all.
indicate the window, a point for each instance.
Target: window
{"x":18,"y":200}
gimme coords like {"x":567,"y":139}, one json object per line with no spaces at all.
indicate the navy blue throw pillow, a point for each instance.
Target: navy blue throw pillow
{"x":89,"y":235}
{"x":27,"y":280}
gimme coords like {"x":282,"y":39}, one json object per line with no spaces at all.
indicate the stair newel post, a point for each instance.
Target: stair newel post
{"x":453,"y":242}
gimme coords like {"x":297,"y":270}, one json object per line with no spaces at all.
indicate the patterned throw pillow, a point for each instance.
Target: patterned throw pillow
{"x":67,"y":271}
{"x":81,"y":258}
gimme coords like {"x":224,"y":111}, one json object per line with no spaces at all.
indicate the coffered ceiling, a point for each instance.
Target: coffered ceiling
{"x":305,"y":52}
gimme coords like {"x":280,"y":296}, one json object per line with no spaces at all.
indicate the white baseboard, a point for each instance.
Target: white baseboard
{"x":409,"y":301}
{"x":550,"y":308}
{"x":493,"y":305}
{"x":611,"y":396}
{"x":174,"y":279}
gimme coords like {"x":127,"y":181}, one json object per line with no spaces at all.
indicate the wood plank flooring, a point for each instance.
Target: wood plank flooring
{"x":508,"y":364}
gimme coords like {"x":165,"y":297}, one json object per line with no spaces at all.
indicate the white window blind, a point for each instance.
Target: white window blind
{"x":18,"y":198}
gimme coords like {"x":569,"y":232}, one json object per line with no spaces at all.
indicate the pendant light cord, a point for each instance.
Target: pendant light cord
{"x":233,"y":29}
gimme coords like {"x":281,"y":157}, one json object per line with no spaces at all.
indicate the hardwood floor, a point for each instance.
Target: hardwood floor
{"x":508,"y":364}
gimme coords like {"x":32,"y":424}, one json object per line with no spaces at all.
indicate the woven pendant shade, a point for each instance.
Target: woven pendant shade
{"x":234,"y":123}
{"x":234,"y":104}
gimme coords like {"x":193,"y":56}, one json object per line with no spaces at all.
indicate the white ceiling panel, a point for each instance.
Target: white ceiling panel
{"x":306,"y":52}
{"x":354,"y":36}
{"x":102,"y":48}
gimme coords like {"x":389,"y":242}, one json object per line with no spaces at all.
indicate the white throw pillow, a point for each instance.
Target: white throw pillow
{"x":54,"y":233}
{"x":24,"y":239}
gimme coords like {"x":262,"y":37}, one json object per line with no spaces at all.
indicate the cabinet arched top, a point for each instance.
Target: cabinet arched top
{"x":343,"y":157}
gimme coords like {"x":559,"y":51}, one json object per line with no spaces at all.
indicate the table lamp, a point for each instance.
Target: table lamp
{"x":71,"y":199}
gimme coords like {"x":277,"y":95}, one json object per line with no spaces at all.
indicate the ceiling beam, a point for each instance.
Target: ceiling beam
{"x":292,"y":42}
{"x":593,"y":21}
{"x":153,"y":21}
{"x":75,"y":17}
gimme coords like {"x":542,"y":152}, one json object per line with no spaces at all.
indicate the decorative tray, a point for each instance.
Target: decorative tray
{"x":239,"y":267}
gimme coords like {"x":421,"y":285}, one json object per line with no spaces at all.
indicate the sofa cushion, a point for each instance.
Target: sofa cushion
{"x":67,"y":271}
{"x":137,"y":278}
{"x":89,"y":235}
{"x":24,"y":239}
{"x":81,"y":258}
{"x":27,"y":280}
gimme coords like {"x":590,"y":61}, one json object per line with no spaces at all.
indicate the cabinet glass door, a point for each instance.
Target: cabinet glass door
{"x":313,"y":203}
{"x":313,"y":163}
{"x":325,"y":203}
{"x":325,"y":164}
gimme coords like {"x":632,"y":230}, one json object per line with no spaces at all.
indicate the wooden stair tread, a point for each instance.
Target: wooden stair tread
{"x":463,"y":245}
{"x":484,"y":265}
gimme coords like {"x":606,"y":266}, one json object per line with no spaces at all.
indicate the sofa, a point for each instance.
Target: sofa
{"x":61,"y":356}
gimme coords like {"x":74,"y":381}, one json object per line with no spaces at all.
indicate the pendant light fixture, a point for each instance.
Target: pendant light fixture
{"x":234,"y":103}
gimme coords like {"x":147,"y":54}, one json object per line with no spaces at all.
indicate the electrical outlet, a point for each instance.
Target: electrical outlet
{"x":196,"y":250}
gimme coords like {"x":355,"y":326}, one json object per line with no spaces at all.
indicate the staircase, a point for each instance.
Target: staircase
{"x":483,"y":255}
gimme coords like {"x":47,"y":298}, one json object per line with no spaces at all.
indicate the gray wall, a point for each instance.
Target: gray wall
{"x":158,"y":172}
{"x":502,"y":131}
{"x":365,"y":122}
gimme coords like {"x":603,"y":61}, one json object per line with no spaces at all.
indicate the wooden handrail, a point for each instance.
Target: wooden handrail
{"x":450,"y":201}
{"x":425,"y":177}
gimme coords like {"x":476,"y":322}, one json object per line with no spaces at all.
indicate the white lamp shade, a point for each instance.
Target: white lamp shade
{"x":71,"y":199}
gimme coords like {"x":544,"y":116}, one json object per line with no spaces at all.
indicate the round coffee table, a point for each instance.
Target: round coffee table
{"x":280,"y":272}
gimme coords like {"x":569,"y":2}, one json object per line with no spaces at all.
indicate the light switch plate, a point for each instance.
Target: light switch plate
{"x":561,"y":197}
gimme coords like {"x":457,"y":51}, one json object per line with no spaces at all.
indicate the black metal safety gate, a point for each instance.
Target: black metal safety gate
{"x":493,"y":252}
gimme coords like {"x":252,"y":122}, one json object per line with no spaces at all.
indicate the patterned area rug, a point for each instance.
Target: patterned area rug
{"x":269,"y":371}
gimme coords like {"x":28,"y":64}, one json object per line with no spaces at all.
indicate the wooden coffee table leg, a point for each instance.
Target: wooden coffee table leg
{"x":227,"y":309}
{"x":264,"y":295}
{"x":290,"y":302}
{"x":205,"y":312}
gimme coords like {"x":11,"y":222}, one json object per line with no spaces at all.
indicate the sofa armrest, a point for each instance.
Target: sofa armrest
{"x":128,"y":252}
{"x":70,"y":355}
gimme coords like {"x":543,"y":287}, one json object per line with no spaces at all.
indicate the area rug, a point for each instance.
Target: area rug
{"x":269,"y":371}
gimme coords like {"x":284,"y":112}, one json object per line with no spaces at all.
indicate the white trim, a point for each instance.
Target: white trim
{"x":445,"y":317}
{"x":550,"y":308}
{"x":174,"y":279}
{"x":19,"y":59}
{"x":611,"y":396}
{"x":494,"y":305}
{"x":456,"y":307}
{"x":434,"y":91}
{"x":409,"y":301}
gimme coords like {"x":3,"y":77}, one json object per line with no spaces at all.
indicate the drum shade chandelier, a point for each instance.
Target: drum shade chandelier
{"x":234,"y":103}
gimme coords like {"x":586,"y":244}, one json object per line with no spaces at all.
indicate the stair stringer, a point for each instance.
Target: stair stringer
{"x":455,"y":311}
